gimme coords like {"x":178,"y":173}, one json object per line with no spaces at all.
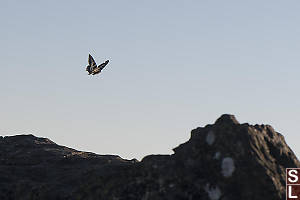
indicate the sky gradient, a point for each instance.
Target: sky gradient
{"x":174,"y":66}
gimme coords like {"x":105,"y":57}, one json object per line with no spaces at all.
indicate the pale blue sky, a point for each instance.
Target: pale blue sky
{"x":175,"y":65}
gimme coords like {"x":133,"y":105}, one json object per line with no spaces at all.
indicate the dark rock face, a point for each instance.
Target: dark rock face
{"x":37,"y":168}
{"x":223,"y":161}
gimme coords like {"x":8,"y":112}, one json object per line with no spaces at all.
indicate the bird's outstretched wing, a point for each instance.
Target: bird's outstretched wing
{"x":92,"y":63}
{"x":88,"y":69}
{"x":103,"y":65}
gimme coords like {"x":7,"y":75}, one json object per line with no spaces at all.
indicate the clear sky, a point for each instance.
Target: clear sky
{"x":174,"y":66}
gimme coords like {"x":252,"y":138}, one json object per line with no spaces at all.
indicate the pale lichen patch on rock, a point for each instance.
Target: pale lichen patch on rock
{"x":210,"y":138}
{"x":214,"y":193}
{"x":217,"y":155}
{"x":227,"y":167}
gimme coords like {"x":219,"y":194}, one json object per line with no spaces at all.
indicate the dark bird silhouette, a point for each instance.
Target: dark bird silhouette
{"x":92,"y":68}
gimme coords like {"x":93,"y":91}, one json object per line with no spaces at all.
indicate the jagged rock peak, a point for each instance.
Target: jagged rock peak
{"x":241,"y":153}
{"x":227,"y":119}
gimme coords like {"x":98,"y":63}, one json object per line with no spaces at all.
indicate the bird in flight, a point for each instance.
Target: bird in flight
{"x":92,"y":68}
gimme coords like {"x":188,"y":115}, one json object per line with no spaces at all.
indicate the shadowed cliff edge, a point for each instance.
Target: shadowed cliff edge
{"x":223,"y":161}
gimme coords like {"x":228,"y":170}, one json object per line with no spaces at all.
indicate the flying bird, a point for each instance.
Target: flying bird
{"x":92,"y":68}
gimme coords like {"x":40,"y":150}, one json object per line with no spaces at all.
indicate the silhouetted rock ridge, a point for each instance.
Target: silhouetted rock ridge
{"x":221,"y":161}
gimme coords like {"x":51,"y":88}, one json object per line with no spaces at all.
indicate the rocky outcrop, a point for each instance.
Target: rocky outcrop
{"x":223,"y":161}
